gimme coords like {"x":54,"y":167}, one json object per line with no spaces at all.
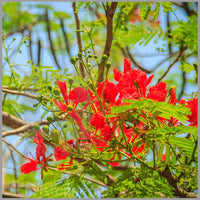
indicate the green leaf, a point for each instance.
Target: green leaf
{"x":173,"y":130}
{"x":179,"y":112}
{"x":184,"y":144}
{"x":63,"y":15}
{"x":145,"y":10}
{"x":156,"y":11}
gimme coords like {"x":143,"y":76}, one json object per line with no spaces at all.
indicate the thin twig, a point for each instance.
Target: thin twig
{"x":27,"y":89}
{"x":86,"y":178}
{"x":15,"y":170}
{"x":14,"y":149}
{"x":183,"y":85}
{"x":135,"y":63}
{"x":65,"y":37}
{"x":19,"y":93}
{"x":50,"y":39}
{"x":169,"y":33}
{"x":39,"y":52}
{"x":30,"y":46}
{"x":170,"y":66}
{"x":78,"y":35}
{"x":25,"y":27}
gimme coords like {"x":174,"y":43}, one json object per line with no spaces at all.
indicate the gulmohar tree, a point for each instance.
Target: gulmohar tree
{"x":99,"y":131}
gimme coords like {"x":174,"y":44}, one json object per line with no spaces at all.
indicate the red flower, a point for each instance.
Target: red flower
{"x":98,"y":120}
{"x":193,"y":105}
{"x":132,"y":83}
{"x":40,"y":157}
{"x":60,"y":154}
{"x":77,"y":95}
{"x":158,"y":92}
{"x":108,"y":91}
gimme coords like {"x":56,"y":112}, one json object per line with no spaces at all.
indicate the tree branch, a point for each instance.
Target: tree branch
{"x":175,"y":61}
{"x":86,"y":178}
{"x":78,"y":35}
{"x":173,"y":182}
{"x":27,"y":89}
{"x":109,"y":38}
{"x":136,"y":64}
{"x":30,"y":46}
{"x":11,"y":195}
{"x":12,"y":121}
{"x":50,"y":39}
{"x":65,"y":37}
{"x":183,"y":85}
{"x":19,"y":93}
{"x":25,"y":27}
{"x":24,"y":128}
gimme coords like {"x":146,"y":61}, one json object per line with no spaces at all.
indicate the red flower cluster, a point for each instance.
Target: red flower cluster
{"x":102,"y":131}
{"x":40,"y":159}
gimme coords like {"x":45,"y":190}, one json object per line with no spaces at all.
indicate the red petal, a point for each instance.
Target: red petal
{"x":158,"y":92}
{"x":127,"y":65}
{"x":63,"y":89}
{"x":98,"y":120}
{"x":117,"y":75}
{"x":60,"y":105}
{"x":40,"y":151}
{"x":29,"y":167}
{"x":38,"y":138}
{"x":77,"y":118}
{"x":60,"y":154}
{"x":150,"y":79}
{"x":78,"y":95}
{"x":114,"y":163}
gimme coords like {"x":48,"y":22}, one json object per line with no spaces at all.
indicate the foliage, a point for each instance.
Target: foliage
{"x":112,"y":139}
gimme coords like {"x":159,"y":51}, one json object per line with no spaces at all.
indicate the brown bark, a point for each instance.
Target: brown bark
{"x":109,"y":38}
{"x":78,"y":35}
{"x":12,"y":121}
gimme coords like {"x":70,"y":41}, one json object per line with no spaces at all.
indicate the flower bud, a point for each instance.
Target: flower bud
{"x":45,"y":129}
{"x":79,"y":54}
{"x":36,"y":127}
{"x":55,"y":117}
{"x":104,"y":57}
{"x":55,"y":136}
{"x":49,"y":119}
{"x":73,"y":60}
{"x":108,"y":65}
